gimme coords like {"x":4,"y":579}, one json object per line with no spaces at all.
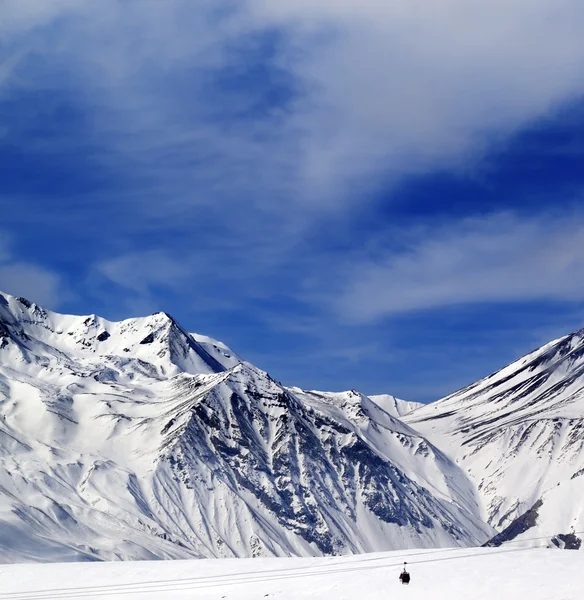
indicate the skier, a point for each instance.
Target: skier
{"x":404,"y":576}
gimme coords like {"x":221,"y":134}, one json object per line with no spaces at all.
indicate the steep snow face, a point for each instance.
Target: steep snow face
{"x":394,"y":406}
{"x":520,"y":435}
{"x":138,"y":440}
{"x":397,"y":443}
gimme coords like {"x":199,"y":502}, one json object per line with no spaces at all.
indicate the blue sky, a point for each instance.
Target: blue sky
{"x":387,"y":197}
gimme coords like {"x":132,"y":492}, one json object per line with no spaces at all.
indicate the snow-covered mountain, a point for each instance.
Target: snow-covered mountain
{"x":137,"y":440}
{"x":519,"y":433}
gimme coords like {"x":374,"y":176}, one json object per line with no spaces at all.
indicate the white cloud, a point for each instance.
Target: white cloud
{"x":382,"y":89}
{"x":405,"y":87}
{"x":23,"y":16}
{"x":139,"y":271}
{"x":501,"y":258}
{"x":22,"y":278}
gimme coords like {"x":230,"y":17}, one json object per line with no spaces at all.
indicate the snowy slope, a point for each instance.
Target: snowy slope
{"x":520,"y":435}
{"x":394,"y":406}
{"x":138,"y":440}
{"x":484,"y":574}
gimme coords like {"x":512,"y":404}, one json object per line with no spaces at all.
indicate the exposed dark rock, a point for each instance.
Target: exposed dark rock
{"x":24,"y":302}
{"x":520,"y":525}
{"x":3,"y":330}
{"x":148,"y":339}
{"x":570,"y":541}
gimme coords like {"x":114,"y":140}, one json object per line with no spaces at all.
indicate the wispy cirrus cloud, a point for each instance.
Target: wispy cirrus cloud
{"x":500,"y":258}
{"x":261,"y":120}
{"x":405,"y":87}
{"x":22,"y":278}
{"x":275,"y":108}
{"x":139,"y":271}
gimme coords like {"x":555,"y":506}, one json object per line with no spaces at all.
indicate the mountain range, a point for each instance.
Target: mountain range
{"x":139,"y":440}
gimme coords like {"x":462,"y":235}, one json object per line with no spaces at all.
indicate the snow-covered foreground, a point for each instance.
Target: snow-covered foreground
{"x":472,"y":574}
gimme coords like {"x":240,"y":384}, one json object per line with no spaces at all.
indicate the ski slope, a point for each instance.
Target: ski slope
{"x":473,"y":574}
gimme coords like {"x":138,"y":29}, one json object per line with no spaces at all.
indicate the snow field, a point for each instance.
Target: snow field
{"x":472,"y":574}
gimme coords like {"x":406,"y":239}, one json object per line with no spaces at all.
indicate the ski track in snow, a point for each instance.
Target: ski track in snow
{"x":477,"y":574}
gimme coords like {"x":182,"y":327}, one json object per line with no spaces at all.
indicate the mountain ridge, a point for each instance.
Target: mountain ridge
{"x":136,"y":439}
{"x":139,"y":440}
{"x":519,"y":433}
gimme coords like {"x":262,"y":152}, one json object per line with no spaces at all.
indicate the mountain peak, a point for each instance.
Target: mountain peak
{"x":163,"y":315}
{"x":520,"y":433}
{"x":189,"y":451}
